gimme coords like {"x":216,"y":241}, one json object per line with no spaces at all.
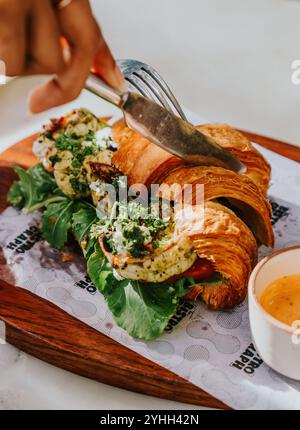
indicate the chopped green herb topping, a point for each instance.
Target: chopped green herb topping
{"x":54,"y":159}
{"x":131,"y":228}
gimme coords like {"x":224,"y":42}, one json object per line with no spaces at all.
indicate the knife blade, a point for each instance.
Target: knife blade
{"x":174,"y":134}
{"x":165,"y":129}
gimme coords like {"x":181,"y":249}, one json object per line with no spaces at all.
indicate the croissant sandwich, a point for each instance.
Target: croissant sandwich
{"x":236,"y":213}
{"x":144,"y":254}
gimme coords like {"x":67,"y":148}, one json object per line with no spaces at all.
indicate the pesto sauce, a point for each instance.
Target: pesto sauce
{"x":135,"y":229}
{"x":54,"y":159}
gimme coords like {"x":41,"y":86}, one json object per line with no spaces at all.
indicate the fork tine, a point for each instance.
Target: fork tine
{"x":152,"y":86}
{"x":141,"y":89}
{"x":164,"y":86}
{"x":149,"y":83}
{"x":144,"y":89}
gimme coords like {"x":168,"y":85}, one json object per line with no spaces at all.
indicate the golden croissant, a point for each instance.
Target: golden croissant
{"x":236,"y":213}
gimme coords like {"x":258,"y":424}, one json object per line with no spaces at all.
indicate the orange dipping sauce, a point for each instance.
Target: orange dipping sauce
{"x":281,"y":299}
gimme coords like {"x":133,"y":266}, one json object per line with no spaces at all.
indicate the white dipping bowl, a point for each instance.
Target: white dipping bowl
{"x":277,"y":343}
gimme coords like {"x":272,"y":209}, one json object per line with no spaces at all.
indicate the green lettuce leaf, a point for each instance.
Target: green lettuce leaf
{"x":143,"y":309}
{"x":35,"y":189}
{"x":82,"y":221}
{"x":15,"y":196}
{"x":57,"y":221}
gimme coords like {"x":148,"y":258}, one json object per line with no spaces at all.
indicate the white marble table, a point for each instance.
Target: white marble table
{"x":227,"y":60}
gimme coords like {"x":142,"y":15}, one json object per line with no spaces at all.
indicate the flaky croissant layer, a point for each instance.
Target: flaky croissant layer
{"x":232,"y":231}
{"x":229,"y":244}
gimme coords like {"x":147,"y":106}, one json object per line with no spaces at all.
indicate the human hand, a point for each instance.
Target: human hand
{"x":31,"y":33}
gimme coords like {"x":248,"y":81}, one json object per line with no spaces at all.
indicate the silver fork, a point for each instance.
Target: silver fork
{"x":147,"y":81}
{"x":157,"y":124}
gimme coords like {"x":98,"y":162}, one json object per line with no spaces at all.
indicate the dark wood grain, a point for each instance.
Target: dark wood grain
{"x":45,"y":331}
{"x":282,"y":148}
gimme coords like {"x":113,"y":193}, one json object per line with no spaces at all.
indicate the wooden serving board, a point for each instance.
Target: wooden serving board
{"x":45,"y":331}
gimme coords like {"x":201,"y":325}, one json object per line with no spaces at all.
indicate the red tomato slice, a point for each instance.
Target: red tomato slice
{"x":201,"y":270}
